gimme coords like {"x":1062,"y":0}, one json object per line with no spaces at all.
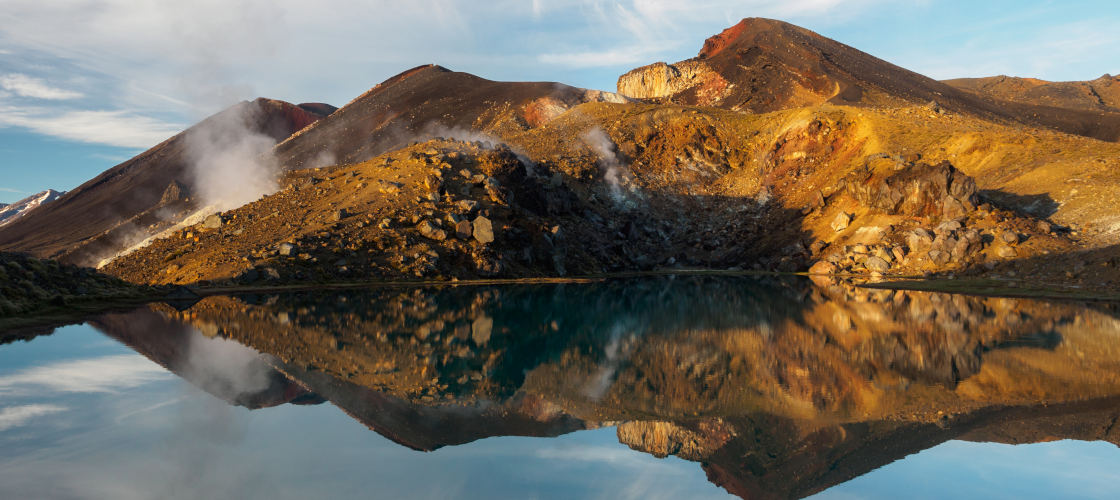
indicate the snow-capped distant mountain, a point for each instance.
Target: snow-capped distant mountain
{"x":20,"y":208}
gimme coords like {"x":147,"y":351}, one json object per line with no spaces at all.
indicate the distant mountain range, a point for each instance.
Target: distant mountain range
{"x":1102,"y":94}
{"x":12,"y":212}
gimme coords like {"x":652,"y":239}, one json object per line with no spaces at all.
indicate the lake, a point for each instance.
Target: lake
{"x":686,"y":386}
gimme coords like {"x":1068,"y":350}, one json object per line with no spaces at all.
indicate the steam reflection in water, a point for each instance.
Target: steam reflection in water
{"x":764,"y":387}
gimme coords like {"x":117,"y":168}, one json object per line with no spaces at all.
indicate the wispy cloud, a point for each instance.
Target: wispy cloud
{"x":113,"y":128}
{"x":104,"y":374}
{"x":16,"y":416}
{"x":12,"y":190}
{"x":596,"y":59}
{"x":27,"y":86}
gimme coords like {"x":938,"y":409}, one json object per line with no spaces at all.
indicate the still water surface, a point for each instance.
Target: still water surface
{"x":666,"y":387}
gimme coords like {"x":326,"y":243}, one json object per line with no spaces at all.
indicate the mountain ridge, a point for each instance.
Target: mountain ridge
{"x":1100,"y":94}
{"x":762,"y":65}
{"x":11,"y":212}
{"x":438,"y":174}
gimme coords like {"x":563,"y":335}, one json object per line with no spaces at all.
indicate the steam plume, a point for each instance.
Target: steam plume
{"x":231,"y":163}
{"x":615,"y":171}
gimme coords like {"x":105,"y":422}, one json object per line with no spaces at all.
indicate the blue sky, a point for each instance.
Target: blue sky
{"x":85,"y":84}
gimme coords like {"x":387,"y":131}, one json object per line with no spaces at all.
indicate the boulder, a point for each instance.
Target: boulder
{"x":877,"y":264}
{"x":938,"y":257}
{"x":430,"y":231}
{"x":340,"y":214}
{"x":899,"y":253}
{"x":286,"y":249}
{"x":389,"y":187}
{"x":948,"y":226}
{"x":920,"y":189}
{"x":919,"y":238}
{"x":822,"y":267}
{"x":434,"y":182}
{"x":467,"y":206}
{"x":841,"y":222}
{"x":884,"y":253}
{"x":464,"y":229}
{"x":483,"y":230}
{"x":960,"y":250}
{"x":212,"y":222}
{"x":972,"y":235}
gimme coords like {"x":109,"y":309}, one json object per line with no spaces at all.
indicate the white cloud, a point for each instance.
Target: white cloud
{"x":211,"y":53}
{"x":26,"y":86}
{"x":113,"y":128}
{"x":16,"y":416}
{"x":594,"y":59}
{"x":104,"y":374}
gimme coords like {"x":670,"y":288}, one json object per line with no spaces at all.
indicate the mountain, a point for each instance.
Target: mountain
{"x":437,"y":174}
{"x":1102,"y":94}
{"x":153,"y":189}
{"x":763,"y":65}
{"x":11,"y":213}
{"x":425,"y":102}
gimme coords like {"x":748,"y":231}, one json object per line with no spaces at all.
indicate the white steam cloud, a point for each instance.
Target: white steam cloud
{"x":615,"y":171}
{"x":325,"y":158}
{"x":231,"y":163}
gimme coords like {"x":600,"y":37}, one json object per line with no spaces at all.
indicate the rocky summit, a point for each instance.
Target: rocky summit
{"x":775,"y":149}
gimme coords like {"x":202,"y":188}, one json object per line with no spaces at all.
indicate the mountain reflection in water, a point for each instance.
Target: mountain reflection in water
{"x":777,"y":387}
